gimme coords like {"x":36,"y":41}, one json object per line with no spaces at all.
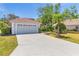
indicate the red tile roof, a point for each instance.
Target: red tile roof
{"x":24,"y":20}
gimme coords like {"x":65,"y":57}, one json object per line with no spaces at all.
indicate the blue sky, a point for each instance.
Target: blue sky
{"x":27,"y":10}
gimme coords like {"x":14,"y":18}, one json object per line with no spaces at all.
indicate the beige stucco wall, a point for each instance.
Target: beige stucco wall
{"x":71,"y":27}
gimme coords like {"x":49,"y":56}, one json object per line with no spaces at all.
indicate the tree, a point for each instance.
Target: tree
{"x":4,"y":28}
{"x":74,"y":12}
{"x":45,"y":16}
{"x":8,"y":17}
{"x":67,"y":13}
{"x":71,"y":13}
{"x":57,"y":8}
{"x":62,"y":28}
{"x":58,"y":18}
{"x":11,"y":16}
{"x":50,"y":15}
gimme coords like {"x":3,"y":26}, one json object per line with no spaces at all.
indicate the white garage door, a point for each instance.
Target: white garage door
{"x":24,"y":28}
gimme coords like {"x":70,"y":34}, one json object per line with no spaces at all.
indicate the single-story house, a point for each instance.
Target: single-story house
{"x":72,"y":24}
{"x":24,"y":25}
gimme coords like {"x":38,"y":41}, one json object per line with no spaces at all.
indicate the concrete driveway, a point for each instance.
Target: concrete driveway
{"x":43,"y":45}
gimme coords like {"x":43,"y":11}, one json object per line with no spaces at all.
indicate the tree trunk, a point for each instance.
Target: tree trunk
{"x":58,"y":32}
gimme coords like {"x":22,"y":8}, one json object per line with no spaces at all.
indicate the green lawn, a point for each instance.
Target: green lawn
{"x":72,"y":37}
{"x":7,"y":45}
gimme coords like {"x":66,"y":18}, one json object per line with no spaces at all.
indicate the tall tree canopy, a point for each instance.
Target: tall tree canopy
{"x":45,"y":16}
{"x":71,"y":12}
{"x":9,"y":17}
{"x":57,"y":19}
{"x":51,"y":15}
{"x":57,"y":8}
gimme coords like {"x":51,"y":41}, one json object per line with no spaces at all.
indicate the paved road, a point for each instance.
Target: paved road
{"x":43,"y":45}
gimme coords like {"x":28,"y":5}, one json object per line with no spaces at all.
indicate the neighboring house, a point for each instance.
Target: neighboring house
{"x":72,"y":24}
{"x":24,"y":25}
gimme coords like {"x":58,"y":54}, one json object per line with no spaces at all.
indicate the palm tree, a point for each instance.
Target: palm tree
{"x":58,"y":18}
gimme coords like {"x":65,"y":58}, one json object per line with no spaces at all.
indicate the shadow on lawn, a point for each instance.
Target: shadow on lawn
{"x":73,"y":32}
{"x":61,"y":36}
{"x":64,"y":37}
{"x":7,"y":35}
{"x":15,"y":34}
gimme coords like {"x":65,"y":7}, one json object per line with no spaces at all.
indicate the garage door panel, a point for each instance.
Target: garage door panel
{"x":24,"y":28}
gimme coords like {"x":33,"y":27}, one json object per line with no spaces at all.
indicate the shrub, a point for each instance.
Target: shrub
{"x":62,"y":28}
{"x":42,"y":28}
{"x":5,"y":31}
{"x":45,"y":28}
{"x":4,"y":27}
{"x":50,"y":28}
